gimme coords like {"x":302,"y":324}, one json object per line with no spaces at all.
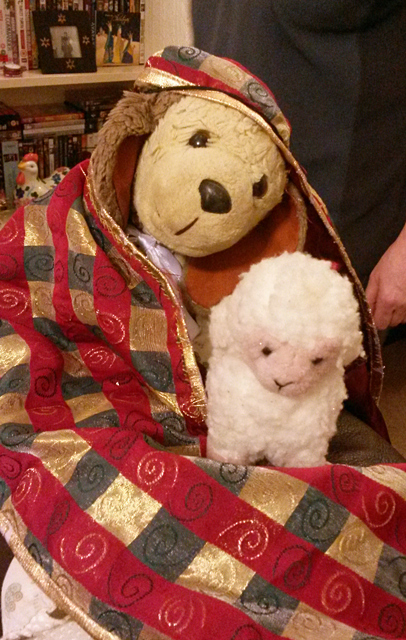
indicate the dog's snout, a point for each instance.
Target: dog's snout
{"x":214,"y":197}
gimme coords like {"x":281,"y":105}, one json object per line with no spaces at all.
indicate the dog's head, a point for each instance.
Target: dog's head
{"x":195,"y":174}
{"x":206,"y":176}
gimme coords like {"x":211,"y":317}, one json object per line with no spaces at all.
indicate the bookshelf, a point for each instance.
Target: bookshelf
{"x":37,"y":88}
{"x":102,"y":75}
{"x":166,"y":22}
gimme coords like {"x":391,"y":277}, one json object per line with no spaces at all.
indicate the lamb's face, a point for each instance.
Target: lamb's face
{"x":287,"y":369}
{"x":206,"y":176}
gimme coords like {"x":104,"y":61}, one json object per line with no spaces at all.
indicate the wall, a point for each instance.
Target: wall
{"x":167,"y":22}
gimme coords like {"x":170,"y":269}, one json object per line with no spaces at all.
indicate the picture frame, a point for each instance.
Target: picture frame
{"x":64,"y":41}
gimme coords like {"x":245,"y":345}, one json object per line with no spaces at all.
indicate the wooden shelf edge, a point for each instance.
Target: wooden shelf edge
{"x":102,"y":75}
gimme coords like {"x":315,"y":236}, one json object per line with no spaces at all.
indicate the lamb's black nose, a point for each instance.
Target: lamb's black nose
{"x":214,"y":197}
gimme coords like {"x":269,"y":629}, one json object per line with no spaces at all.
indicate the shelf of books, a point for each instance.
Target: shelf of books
{"x":48,"y":111}
{"x":50,"y":135}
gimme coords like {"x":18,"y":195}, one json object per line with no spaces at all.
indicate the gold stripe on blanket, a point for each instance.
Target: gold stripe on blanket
{"x":148,"y":329}
{"x":14,"y":351}
{"x":88,"y":405}
{"x":79,"y":237}
{"x":274,"y":493}
{"x":357,"y":548}
{"x":308,"y":624}
{"x":392,"y":477}
{"x":41,"y":299}
{"x":124,"y":510}
{"x":37,"y":231}
{"x":215,"y":572}
{"x":60,"y":452}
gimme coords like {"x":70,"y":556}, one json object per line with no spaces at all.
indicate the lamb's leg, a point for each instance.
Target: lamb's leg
{"x":220,"y":455}
{"x":311,"y":456}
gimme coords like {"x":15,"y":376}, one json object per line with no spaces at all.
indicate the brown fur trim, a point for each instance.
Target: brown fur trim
{"x":136,"y":114}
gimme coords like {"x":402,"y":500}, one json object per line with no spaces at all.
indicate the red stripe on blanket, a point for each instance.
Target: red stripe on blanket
{"x":378,"y":506}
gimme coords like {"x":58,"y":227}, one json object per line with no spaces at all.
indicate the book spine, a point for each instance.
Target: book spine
{"x":69,"y":151}
{"x":39,"y":150}
{"x":21,"y":34}
{"x":142,"y":32}
{"x":65,"y":150}
{"x":60,"y":150}
{"x":7,"y":23}
{"x":76,"y":149}
{"x":38,"y":133}
{"x":34,"y":47}
{"x":14,"y":37}
{"x":28,"y":32}
{"x":46,"y":156}
{"x":3,"y":35}
{"x":48,"y":123}
{"x":9,"y":121}
{"x":52,"y":118}
{"x":9,"y":152}
{"x":56,"y":148}
{"x":26,"y":147}
{"x":52,"y":159}
{"x":10,"y":135}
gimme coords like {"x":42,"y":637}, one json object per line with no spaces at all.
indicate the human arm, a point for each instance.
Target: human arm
{"x":386,"y":289}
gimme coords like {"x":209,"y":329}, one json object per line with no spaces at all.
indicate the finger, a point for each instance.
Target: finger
{"x":398,"y":316}
{"x":371,"y":293}
{"x":382,"y":315}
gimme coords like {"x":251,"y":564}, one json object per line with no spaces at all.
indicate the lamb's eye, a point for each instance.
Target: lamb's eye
{"x":266,"y":351}
{"x":199,"y":139}
{"x":317,"y":361}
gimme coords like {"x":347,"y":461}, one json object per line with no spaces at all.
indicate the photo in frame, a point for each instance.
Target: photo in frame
{"x":118,"y":38}
{"x":64,"y":40}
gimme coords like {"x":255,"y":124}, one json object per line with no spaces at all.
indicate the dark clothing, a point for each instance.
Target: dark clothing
{"x":338,"y":71}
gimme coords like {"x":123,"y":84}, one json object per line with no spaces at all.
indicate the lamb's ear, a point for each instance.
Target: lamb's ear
{"x":220,"y":330}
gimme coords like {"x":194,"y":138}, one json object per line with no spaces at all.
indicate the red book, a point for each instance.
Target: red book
{"x":48,"y":113}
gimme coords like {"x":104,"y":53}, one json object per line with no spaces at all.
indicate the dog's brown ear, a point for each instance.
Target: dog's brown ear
{"x":124,"y":172}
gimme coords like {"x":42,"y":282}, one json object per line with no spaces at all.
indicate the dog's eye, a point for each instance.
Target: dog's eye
{"x":260,"y":188}
{"x":199,"y":139}
{"x":317,"y":361}
{"x":266,"y":351}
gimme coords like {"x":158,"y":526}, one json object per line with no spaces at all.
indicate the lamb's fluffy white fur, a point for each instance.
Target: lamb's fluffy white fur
{"x":280,"y":343}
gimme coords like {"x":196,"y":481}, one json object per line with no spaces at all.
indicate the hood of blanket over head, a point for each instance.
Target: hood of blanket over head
{"x":168,"y":76}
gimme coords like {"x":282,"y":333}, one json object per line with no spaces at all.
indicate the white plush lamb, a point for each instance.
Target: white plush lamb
{"x":280,"y":343}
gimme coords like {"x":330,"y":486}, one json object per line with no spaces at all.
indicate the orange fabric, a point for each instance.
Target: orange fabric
{"x":124,"y":170}
{"x":211,"y":278}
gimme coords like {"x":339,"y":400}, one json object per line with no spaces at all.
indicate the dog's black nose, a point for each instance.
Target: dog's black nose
{"x":214,"y":197}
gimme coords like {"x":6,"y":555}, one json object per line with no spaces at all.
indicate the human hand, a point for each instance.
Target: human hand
{"x":386,"y":290}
